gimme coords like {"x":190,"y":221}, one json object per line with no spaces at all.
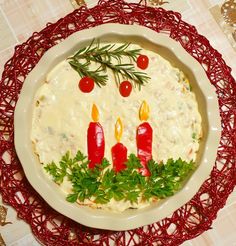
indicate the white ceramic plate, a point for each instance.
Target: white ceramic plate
{"x":208,"y":106}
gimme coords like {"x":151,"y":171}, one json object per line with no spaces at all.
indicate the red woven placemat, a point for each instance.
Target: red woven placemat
{"x":51,"y":228}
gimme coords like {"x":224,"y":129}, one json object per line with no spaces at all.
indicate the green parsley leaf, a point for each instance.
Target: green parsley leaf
{"x":102,"y":183}
{"x":194,"y":135}
{"x":133,"y":162}
{"x":72,"y":197}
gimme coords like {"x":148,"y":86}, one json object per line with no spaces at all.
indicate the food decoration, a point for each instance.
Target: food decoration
{"x":86,"y":84}
{"x":142,"y":62}
{"x":108,"y":56}
{"x":95,"y":139}
{"x":158,"y":150}
{"x":119,"y":151}
{"x":144,"y":139}
{"x":102,"y":185}
{"x":125,"y":88}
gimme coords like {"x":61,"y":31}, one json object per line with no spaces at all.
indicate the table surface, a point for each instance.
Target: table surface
{"x":20,"y":18}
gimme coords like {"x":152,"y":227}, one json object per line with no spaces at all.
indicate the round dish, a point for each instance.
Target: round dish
{"x":170,"y":50}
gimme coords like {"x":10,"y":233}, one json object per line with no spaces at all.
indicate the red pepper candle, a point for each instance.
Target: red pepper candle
{"x":119,"y":151}
{"x":144,"y":139}
{"x":95,"y":139}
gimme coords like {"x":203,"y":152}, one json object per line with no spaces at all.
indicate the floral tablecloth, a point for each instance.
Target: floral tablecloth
{"x":215,"y":19}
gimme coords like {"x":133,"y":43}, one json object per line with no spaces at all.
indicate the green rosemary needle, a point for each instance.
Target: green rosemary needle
{"x":108,"y":56}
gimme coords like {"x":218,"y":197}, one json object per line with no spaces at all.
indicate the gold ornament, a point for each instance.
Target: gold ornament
{"x":228,"y":10}
{"x":157,"y":2}
{"x":154,"y":2}
{"x":3,"y":215}
{"x":77,"y":3}
{"x":2,"y":243}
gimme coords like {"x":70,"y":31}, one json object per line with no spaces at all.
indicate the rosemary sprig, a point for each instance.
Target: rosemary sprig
{"x":105,"y":56}
{"x":83,"y":70}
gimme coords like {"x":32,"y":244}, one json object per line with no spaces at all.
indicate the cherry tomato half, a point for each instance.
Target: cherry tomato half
{"x":86,"y":84}
{"x":142,"y":61}
{"x":125,"y":88}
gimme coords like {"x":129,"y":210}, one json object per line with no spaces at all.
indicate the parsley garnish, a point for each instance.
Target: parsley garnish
{"x":194,"y":135}
{"x":102,"y":183}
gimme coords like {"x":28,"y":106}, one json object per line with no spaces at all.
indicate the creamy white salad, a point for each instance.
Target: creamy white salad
{"x":62,"y":114}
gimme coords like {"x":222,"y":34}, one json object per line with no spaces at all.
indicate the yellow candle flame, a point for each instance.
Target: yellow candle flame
{"x":118,"y":129}
{"x":95,"y":113}
{"x":144,"y":111}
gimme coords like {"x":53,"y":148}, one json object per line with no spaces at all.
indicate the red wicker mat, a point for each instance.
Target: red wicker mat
{"x":51,"y":228}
